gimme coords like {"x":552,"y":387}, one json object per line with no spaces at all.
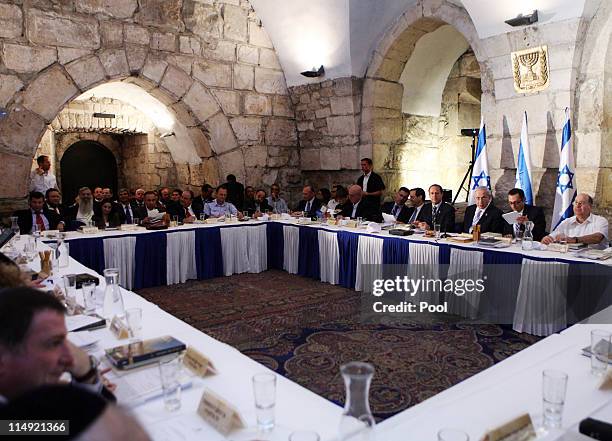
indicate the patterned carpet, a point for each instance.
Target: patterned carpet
{"x":305,"y":330}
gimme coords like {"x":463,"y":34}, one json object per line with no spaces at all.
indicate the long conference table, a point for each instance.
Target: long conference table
{"x":538,"y":292}
{"x":475,"y":405}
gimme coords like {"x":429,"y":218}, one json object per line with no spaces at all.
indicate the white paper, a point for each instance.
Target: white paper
{"x":511,"y":217}
{"x":373,"y":227}
{"x":388,"y":218}
{"x":78,"y":321}
{"x":82,"y":339}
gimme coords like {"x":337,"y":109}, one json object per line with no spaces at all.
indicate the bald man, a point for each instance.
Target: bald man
{"x":358,"y":206}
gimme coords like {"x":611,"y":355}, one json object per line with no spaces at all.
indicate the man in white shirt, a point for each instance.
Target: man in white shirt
{"x":220,"y":207}
{"x":584,"y":227}
{"x":41,"y":178}
{"x":277,"y":203}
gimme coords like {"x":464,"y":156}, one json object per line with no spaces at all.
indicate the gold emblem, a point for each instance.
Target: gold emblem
{"x":530,"y":68}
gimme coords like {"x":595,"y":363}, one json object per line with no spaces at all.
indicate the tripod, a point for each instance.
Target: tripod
{"x":468,"y":174}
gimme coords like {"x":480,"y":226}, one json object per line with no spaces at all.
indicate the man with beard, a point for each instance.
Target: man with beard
{"x":82,"y":212}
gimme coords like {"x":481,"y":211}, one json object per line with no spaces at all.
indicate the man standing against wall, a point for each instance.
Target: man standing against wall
{"x":41,"y":178}
{"x":371,"y":183}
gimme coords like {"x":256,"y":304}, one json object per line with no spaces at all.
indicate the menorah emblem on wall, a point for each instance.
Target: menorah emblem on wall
{"x":530,"y":69}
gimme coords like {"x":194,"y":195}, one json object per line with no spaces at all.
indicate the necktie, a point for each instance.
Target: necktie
{"x":435,"y":214}
{"x":477,"y":216}
{"x":128,"y":216}
{"x":413,"y":216}
{"x":307,"y":206}
{"x":395,"y":210}
{"x":40,"y":222}
{"x":186,"y":212}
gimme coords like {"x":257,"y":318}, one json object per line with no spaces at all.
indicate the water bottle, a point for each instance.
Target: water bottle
{"x":527,"y":241}
{"x":113,"y":301}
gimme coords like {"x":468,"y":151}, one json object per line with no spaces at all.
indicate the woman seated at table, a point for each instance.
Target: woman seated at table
{"x":107,"y":216}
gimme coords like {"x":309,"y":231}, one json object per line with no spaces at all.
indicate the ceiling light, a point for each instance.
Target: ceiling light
{"x":314,"y":73}
{"x":524,"y":20}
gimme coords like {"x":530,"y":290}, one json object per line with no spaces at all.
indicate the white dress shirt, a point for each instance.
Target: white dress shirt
{"x":415,"y":213}
{"x":44,"y":219}
{"x":42,"y":182}
{"x":366,"y":178}
{"x":354,"y":213}
{"x":592,"y":224}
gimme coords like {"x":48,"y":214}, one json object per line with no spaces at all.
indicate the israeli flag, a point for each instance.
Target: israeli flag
{"x":523,"y":165}
{"x":566,"y":191}
{"x":480,"y":172}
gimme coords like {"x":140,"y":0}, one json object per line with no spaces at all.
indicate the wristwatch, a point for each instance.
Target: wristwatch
{"x":575,"y":239}
{"x":91,"y":373}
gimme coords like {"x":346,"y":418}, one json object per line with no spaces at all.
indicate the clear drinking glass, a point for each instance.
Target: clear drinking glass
{"x":113,"y":300}
{"x":135,"y":221}
{"x":70,"y":292}
{"x":452,"y":435}
{"x":89,"y":297}
{"x":29,"y":248}
{"x":554,"y":387}
{"x":357,"y":422}
{"x":15,"y":225}
{"x":600,"y":351}
{"x":527,"y":240}
{"x":134,"y":321}
{"x":63,"y":253}
{"x":170,"y":374}
{"x":437,"y":231}
{"x":264,"y":390}
{"x":175,"y":221}
{"x":304,"y":435}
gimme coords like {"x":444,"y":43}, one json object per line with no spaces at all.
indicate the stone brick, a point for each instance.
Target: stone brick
{"x":330,"y":158}
{"x":49,"y":92}
{"x":247,"y":54}
{"x":258,"y":35}
{"x":50,"y":29}
{"x":246,"y":129}
{"x":183,"y":62}
{"x":19,"y":132}
{"x":229,"y":101}
{"x":26,"y":58}
{"x":112,"y":33}
{"x":115,"y":63}
{"x":202,"y":19}
{"x":201,"y":103}
{"x":270,"y":81}
{"x":281,"y":106}
{"x":176,"y":81}
{"x":310,"y":159}
{"x":224,"y":51}
{"x":189,"y":45}
{"x":154,"y":69}
{"x":9,"y":84}
{"x":257,"y":104}
{"x":349,"y":157}
{"x":213,"y":74}
{"x":201,"y":142}
{"x":341,"y":125}
{"x":243,"y":77}
{"x":323,"y":113}
{"x":234,"y":23}
{"x":221,"y":134}
{"x":281,"y":132}
{"x":86,"y":72}
{"x":136,"y":35}
{"x":256,"y":156}
{"x":66,"y":55}
{"x":162,"y":13}
{"x":18,"y":168}
{"x":11,"y":21}
{"x":183,"y":114}
{"x":232,"y":162}
{"x":268,"y":58}
{"x":136,"y":56}
{"x":344,"y":105}
{"x":387,"y":95}
{"x":114,"y":8}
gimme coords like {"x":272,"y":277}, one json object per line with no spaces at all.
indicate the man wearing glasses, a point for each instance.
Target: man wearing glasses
{"x":584,"y":228}
{"x":516,"y":200}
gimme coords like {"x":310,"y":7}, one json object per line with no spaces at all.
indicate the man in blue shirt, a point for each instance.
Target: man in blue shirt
{"x":219,"y":207}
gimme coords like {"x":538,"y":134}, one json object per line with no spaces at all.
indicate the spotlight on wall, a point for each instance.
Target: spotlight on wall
{"x":524,"y":20}
{"x":166,"y":134}
{"x":314,"y":73}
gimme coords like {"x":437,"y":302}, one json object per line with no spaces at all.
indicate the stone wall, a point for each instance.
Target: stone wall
{"x":211,"y":62}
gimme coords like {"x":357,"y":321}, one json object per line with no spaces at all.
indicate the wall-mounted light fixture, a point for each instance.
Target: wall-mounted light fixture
{"x":314,"y":73}
{"x":524,"y":20}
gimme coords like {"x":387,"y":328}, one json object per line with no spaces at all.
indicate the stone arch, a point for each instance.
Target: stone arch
{"x":592,"y":113}
{"x":382,"y":124}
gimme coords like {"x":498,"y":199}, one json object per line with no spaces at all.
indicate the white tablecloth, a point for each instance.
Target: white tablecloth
{"x":464,"y":265}
{"x":180,"y":252}
{"x":119,"y":253}
{"x":291,"y":249}
{"x":369,"y":261}
{"x":329,"y":257}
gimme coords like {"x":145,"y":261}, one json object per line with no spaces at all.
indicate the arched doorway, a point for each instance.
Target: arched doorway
{"x":87,"y":164}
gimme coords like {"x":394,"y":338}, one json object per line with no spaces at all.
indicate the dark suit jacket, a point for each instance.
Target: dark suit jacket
{"x":375,"y":183}
{"x":445,"y":216}
{"x":491,"y":220}
{"x":114,"y":220}
{"x":406,"y":214}
{"x":178,"y":210}
{"x":122,"y":215}
{"x":141,"y":212}
{"x":314,"y":207}
{"x":24,"y":219}
{"x":235,"y":194}
{"x":535,"y":215}
{"x":365,"y":210}
{"x":387,"y":207}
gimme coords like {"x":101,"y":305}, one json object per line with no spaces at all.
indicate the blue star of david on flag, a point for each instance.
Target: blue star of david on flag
{"x":478,"y":178}
{"x":567,"y":183}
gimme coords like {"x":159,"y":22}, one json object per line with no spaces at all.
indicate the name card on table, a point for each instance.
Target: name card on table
{"x":198,"y":363}
{"x":558,"y":248}
{"x":606,"y":382}
{"x":219,"y":413}
{"x":518,"y":429}
{"x":119,"y":328}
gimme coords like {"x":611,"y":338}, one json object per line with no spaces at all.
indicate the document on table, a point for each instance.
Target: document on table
{"x":511,"y":217}
{"x":74,"y":322}
{"x":388,"y":218}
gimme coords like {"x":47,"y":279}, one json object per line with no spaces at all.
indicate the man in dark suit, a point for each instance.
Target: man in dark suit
{"x":205,"y":197}
{"x":309,"y":204}
{"x":483,"y":213}
{"x":126,"y":208}
{"x":371,"y":183}
{"x":53,"y":199}
{"x":151,"y":211}
{"x":185,"y":211}
{"x":235,"y":192}
{"x":516,"y":200}
{"x":438,"y":212}
{"x":261,"y":202}
{"x":358,"y":206}
{"x":414,"y":214}
{"x":398,"y":207}
{"x":38,"y":214}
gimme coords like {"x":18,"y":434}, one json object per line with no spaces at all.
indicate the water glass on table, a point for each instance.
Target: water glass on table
{"x":170,"y":374}
{"x":264,"y":390}
{"x":437,"y":231}
{"x":134,"y":322}
{"x":554,"y":387}
{"x":89,"y":297}
{"x":600,"y":351}
{"x":70,"y":292}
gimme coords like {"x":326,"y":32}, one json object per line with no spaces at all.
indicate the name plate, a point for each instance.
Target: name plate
{"x":198,"y":363}
{"x":351,"y":224}
{"x":558,"y":248}
{"x":89,"y":230}
{"x":518,"y":429}
{"x":333,"y":222}
{"x":219,"y":413}
{"x":119,"y":328}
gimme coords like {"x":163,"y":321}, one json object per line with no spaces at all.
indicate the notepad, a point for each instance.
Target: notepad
{"x":511,"y":217}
